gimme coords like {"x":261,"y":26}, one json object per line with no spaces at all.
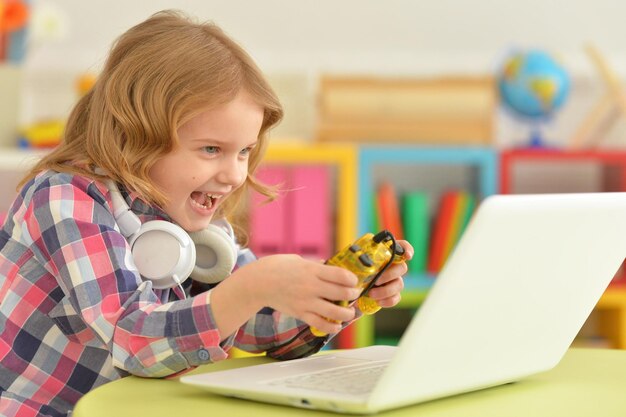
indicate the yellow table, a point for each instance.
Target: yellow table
{"x":587,"y":382}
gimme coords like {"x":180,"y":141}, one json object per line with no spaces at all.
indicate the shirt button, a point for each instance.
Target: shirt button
{"x":203,"y":354}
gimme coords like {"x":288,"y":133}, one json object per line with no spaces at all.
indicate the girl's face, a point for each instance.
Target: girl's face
{"x":210,"y":163}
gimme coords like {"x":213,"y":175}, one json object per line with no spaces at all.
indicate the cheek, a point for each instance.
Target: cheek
{"x":156,"y":176}
{"x":243,"y":174}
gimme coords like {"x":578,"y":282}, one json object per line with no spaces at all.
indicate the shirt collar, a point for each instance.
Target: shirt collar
{"x":141,"y":208}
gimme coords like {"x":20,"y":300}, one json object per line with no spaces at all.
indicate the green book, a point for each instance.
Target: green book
{"x":374,"y":217}
{"x":469,"y":211}
{"x":416,"y":219}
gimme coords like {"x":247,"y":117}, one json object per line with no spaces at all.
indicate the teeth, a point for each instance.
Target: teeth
{"x":208,"y":201}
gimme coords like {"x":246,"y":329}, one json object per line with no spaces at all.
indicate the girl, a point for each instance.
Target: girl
{"x":177,"y":120}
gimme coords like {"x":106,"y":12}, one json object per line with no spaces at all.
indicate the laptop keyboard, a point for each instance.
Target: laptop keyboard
{"x":358,"y":379}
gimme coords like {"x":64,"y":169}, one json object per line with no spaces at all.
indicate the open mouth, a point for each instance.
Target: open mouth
{"x":203,"y":200}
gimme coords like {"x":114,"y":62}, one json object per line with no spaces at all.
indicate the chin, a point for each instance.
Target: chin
{"x":196,"y":226}
{"x":189,"y":225}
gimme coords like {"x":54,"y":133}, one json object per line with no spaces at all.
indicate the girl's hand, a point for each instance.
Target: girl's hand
{"x":305,"y":289}
{"x":388,"y":288}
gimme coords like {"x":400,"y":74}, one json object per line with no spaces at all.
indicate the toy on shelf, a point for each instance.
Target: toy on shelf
{"x":44,"y":134}
{"x":607,"y":111}
{"x":533,"y":86}
{"x":48,"y":133}
{"x":14,"y":16}
{"x":84,"y":83}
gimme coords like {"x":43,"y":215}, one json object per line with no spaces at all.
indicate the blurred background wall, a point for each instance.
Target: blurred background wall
{"x":296,"y":41}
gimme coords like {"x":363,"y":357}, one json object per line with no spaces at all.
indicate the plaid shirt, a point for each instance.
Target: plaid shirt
{"x":75,"y":314}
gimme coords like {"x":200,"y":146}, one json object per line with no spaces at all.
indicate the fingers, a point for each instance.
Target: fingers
{"x":387,"y":290}
{"x":333,"y":292}
{"x":390,"y":301}
{"x":408,"y":249}
{"x":388,"y":294}
{"x":332,"y":311}
{"x":335,"y":284}
{"x":317,"y":304}
{"x":394,"y":271}
{"x":327,"y":316}
{"x":321,"y":325}
{"x":338,"y":275}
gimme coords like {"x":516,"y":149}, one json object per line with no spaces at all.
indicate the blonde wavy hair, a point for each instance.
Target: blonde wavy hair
{"x":159,"y":74}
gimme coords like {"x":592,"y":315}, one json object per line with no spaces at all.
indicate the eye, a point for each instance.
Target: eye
{"x":212,"y":150}
{"x":246,"y":151}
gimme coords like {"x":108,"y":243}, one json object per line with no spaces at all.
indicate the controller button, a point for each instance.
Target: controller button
{"x":398,"y":250}
{"x":366,"y":260}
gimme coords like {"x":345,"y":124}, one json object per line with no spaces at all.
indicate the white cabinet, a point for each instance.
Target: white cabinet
{"x":14,"y":163}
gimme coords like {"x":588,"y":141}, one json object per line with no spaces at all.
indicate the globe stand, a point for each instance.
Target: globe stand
{"x":536,"y":139}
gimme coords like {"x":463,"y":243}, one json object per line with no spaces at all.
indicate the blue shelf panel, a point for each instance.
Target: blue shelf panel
{"x":397,"y":161}
{"x":485,"y":160}
{"x":419,"y":282}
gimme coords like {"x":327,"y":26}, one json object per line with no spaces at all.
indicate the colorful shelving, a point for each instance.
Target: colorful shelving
{"x":341,"y":156}
{"x":428,"y":169}
{"x":608,"y":167}
{"x":482,"y":171}
{"x":342,"y":159}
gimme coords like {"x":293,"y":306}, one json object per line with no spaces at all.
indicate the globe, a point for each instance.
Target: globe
{"x":533,"y":85}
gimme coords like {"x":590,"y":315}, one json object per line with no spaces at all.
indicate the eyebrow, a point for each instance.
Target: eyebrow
{"x":220,"y":142}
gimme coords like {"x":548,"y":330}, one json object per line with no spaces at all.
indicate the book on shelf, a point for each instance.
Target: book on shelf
{"x":388,"y":210}
{"x":310,"y":212}
{"x":268,"y":231}
{"x":442,"y":228}
{"x":408,"y":216}
{"x":455,"y":210}
{"x":298,"y":220}
{"x":416,"y":219}
{"x":463,"y":208}
{"x":375,"y":225}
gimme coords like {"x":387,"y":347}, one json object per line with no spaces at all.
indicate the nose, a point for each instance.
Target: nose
{"x":232,"y":172}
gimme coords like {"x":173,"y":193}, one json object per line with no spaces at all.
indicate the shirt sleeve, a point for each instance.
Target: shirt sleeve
{"x":71,"y":230}
{"x":281,"y":336}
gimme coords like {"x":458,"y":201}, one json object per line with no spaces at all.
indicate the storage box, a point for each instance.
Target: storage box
{"x":452,"y":110}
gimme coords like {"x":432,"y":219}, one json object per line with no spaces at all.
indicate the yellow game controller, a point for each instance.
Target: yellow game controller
{"x":367,"y":258}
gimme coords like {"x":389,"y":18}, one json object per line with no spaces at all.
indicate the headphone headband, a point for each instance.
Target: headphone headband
{"x":127,"y":221}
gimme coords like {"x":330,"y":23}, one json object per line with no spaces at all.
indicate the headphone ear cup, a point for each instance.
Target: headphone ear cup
{"x":163,"y":253}
{"x":216,"y":254}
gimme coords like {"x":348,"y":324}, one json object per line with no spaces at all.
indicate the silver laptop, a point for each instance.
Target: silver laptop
{"x":523,"y":279}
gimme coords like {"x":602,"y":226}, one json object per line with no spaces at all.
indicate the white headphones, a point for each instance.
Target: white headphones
{"x":166,"y":255}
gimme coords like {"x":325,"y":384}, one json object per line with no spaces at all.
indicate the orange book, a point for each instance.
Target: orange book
{"x":346,"y":339}
{"x":441,"y":229}
{"x":459,"y":208}
{"x":388,"y":210}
